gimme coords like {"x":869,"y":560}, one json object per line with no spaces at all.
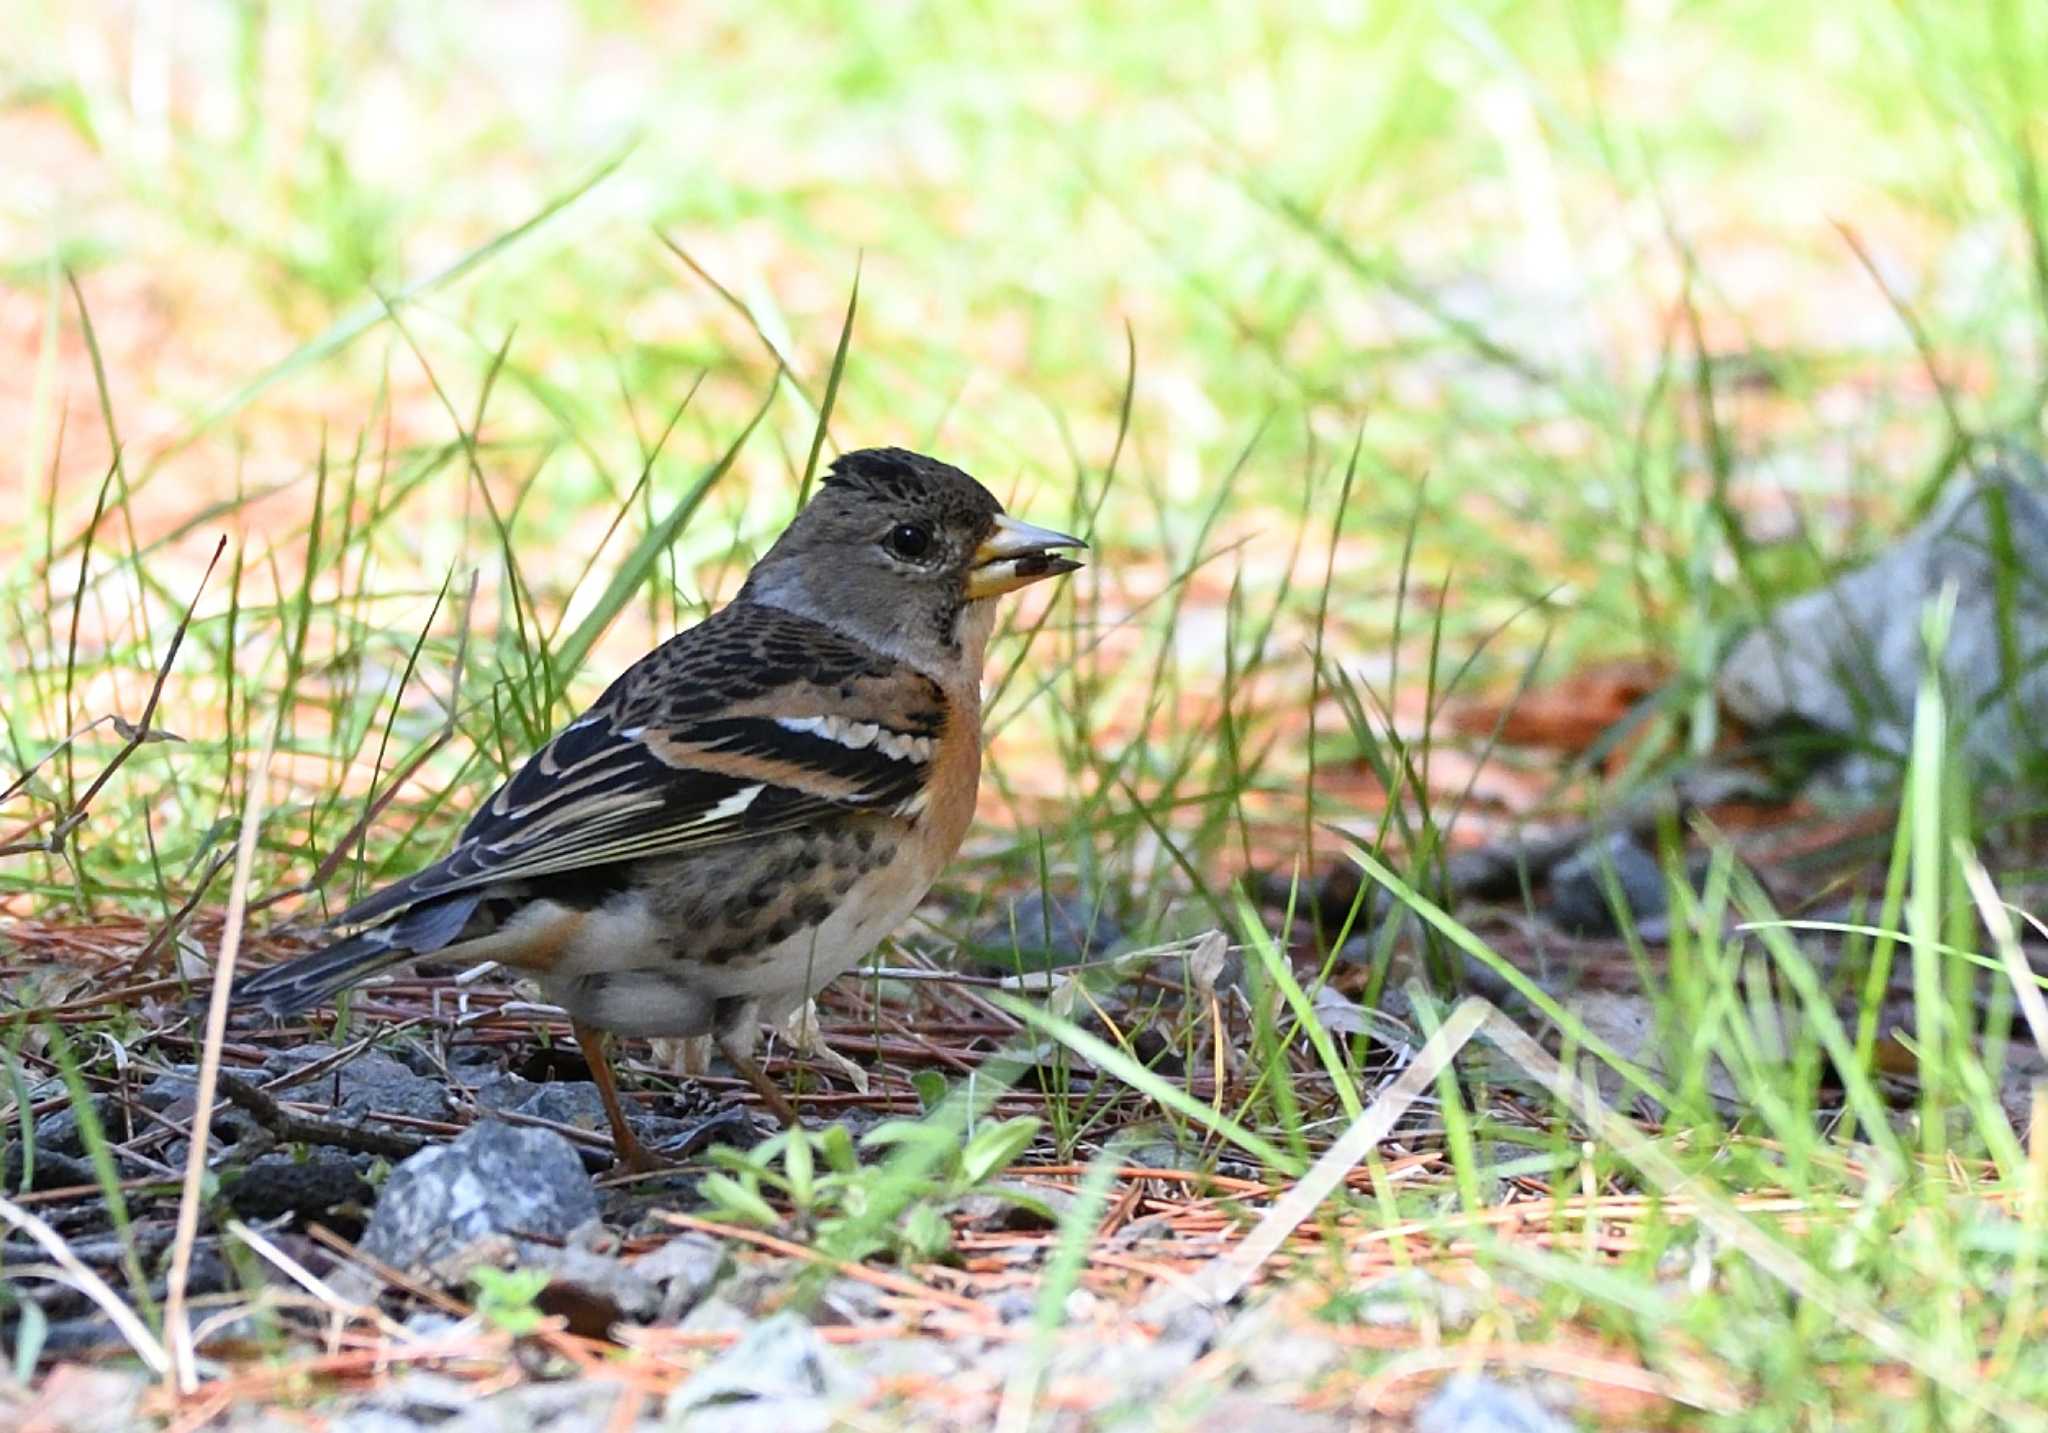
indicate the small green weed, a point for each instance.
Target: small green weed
{"x":894,"y":1205}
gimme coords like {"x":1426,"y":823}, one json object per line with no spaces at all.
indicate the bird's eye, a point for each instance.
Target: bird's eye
{"x":910,"y":540}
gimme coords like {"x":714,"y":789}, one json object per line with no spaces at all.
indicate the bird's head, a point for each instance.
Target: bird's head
{"x":907,"y":554}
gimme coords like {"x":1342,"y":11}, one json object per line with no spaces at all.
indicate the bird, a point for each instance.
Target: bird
{"x":749,"y":809}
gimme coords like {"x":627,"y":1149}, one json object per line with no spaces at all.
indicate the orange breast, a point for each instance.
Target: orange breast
{"x":956,"y":776}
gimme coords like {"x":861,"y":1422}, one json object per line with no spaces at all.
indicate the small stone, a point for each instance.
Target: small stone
{"x":1473,"y":1403}
{"x":1330,"y":897}
{"x":429,"y":1323}
{"x":1045,"y":931}
{"x":502,"y":1090}
{"x":80,"y":1399}
{"x":1400,"y":1299}
{"x":1578,"y":887}
{"x":1014,"y":1204}
{"x":781,"y":1375}
{"x":60,"y":1132}
{"x":310,"y":1187}
{"x":1012,"y":1306}
{"x":371,"y":1083}
{"x":52,"y":1170}
{"x":496,"y":1179}
{"x":716,"y":1313}
{"x":567,"y":1102}
{"x":685,"y":1269}
{"x":175,"y":1086}
{"x":1274,"y":1348}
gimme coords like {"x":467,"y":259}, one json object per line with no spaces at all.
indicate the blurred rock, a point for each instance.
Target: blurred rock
{"x":59,"y":1131}
{"x":1847,"y":659}
{"x":569,"y":1102}
{"x":1328,"y":896}
{"x":1046,"y":930}
{"x":74,"y":1398}
{"x":1237,"y":1408}
{"x":180,"y":1084}
{"x":52,"y":1170}
{"x":685,"y":1269}
{"x":781,"y":1375}
{"x":1626,"y":1021}
{"x":594,"y":1288}
{"x":1578,"y":886}
{"x":413,"y":1402}
{"x":1406,"y":1297}
{"x":1275,"y":1347}
{"x":1474,"y":1403}
{"x":496,"y":1179}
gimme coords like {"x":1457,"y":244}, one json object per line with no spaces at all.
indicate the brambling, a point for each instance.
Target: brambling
{"x":752,"y":806}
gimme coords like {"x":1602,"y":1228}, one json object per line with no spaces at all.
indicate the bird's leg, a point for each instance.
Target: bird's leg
{"x":626,"y":1146}
{"x":736,"y":1042}
{"x":686,"y":1055}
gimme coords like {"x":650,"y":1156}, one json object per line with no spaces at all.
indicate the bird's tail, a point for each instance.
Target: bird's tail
{"x":419,"y":930}
{"x":310,"y":979}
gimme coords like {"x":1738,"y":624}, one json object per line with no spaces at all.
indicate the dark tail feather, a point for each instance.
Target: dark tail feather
{"x":311,"y":979}
{"x":289,"y":988}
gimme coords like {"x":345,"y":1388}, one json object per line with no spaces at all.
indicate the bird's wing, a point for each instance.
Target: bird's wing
{"x":754,"y":721}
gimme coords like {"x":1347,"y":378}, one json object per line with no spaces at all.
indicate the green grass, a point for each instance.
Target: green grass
{"x":1387,"y":355}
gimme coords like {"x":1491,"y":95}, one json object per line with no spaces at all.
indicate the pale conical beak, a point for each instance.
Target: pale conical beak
{"x":1016,"y":555}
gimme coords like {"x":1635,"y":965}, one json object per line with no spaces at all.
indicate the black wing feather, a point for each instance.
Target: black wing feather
{"x":598,"y":795}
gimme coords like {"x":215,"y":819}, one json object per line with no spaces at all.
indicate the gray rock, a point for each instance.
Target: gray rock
{"x":1847,"y":659}
{"x":1578,"y":886}
{"x":372,"y":1082}
{"x":596,"y":1288}
{"x":576,"y":1103}
{"x":383,"y":1420}
{"x":1403,"y":1298}
{"x":502,"y":1090}
{"x":79,"y":1398}
{"x":429,"y":1323}
{"x":781,"y":1375}
{"x":176,"y":1086}
{"x":1273,"y":1350}
{"x":1046,"y":931}
{"x":1473,"y":1403}
{"x":685,"y":1269}
{"x":537,"y":1407}
{"x":716,"y":1313}
{"x":52,"y":1170}
{"x":279,"y":1184}
{"x":567,"y":1102}
{"x":58,"y":1132}
{"x":1235,"y":1408}
{"x":496,"y":1179}
{"x":1331,"y":896}
{"x":1626,"y":1021}
{"x":416,"y":1400}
